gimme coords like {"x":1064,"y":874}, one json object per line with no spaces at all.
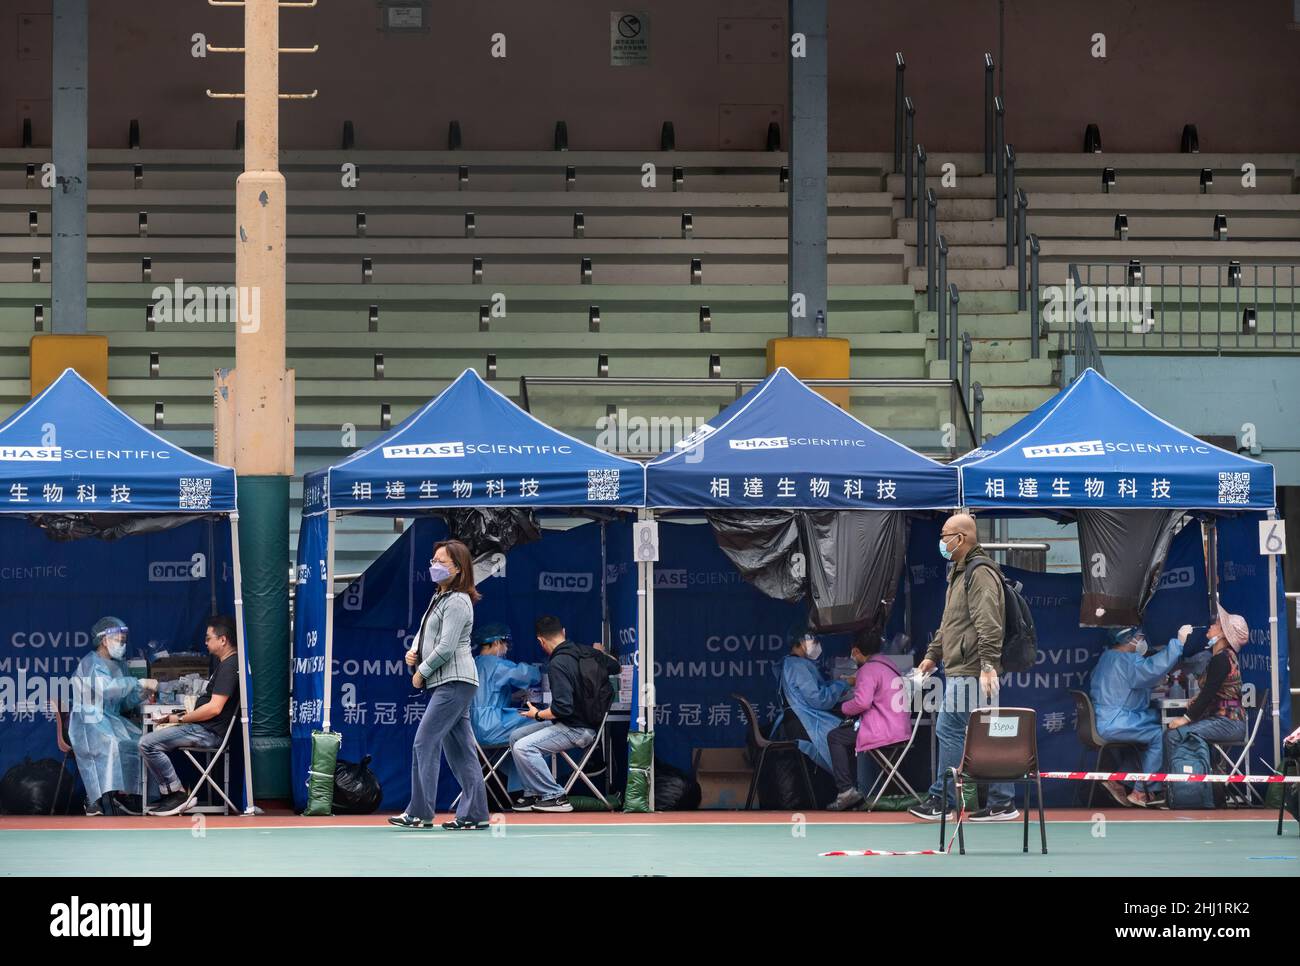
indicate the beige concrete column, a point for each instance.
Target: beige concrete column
{"x":263,"y":392}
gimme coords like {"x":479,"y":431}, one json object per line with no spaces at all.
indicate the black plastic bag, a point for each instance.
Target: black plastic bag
{"x":356,"y":789}
{"x":764,"y":545}
{"x":488,"y":530}
{"x":28,"y":788}
{"x":675,"y":791}
{"x":1122,"y":553}
{"x":855,"y":558}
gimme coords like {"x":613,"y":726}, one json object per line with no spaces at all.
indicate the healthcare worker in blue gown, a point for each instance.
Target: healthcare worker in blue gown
{"x":812,"y":697}
{"x":106,"y":745}
{"x":1121,"y":699}
{"x":491,"y":715}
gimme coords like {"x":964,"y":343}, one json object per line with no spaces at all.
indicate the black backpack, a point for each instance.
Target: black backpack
{"x":1019,"y":639}
{"x":594,"y":693}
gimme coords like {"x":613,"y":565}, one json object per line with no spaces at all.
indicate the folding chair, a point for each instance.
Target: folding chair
{"x":219,"y":753}
{"x":1001,"y":746}
{"x":496,"y":788}
{"x":1091,"y":739}
{"x":65,"y":746}
{"x":1291,"y":762}
{"x":889,"y":758}
{"x":762,"y":746}
{"x":579,"y":768}
{"x":1245,"y":795}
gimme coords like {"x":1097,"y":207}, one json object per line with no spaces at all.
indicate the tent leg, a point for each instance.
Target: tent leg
{"x":604,"y":590}
{"x":650,"y":666}
{"x":329,"y":620}
{"x":244,"y":710}
{"x":1210,"y":530}
{"x":1275,"y":692}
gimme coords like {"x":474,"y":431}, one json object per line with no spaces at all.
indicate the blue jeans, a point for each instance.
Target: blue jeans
{"x":1207,"y":729}
{"x":156,"y":744}
{"x":961,"y":696}
{"x":532,"y":745}
{"x":445,"y":729}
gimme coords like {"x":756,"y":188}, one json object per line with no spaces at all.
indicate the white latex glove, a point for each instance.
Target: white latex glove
{"x":1183,"y":632}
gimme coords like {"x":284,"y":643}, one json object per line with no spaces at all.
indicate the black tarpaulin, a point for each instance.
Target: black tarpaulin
{"x":855,"y":558}
{"x":487,"y":530}
{"x":1122,"y":553}
{"x":764,"y":545}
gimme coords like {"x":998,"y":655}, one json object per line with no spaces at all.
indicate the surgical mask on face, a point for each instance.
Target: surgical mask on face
{"x":116,"y":649}
{"x":438,"y":572}
{"x":812,"y":650}
{"x":943,"y":549}
{"x":1140,"y":647}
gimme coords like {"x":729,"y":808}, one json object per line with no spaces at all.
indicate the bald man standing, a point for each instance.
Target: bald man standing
{"x":969,"y":643}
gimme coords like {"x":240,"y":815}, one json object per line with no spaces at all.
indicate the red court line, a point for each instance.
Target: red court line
{"x":289,"y":820}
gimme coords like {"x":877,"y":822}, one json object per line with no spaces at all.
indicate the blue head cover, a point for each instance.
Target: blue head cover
{"x":491,"y":633}
{"x":1122,"y":635}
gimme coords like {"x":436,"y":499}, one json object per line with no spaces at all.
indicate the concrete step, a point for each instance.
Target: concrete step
{"x":970,"y":279}
{"x":990,"y":232}
{"x":982,"y":325}
{"x":958,"y":209}
{"x":967,"y":186}
{"x":976,"y":302}
{"x":1024,"y":374}
{"x":1016,"y":399}
{"x":992,"y":350}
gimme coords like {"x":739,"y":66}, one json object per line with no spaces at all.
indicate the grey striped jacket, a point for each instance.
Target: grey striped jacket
{"x":444,"y":638}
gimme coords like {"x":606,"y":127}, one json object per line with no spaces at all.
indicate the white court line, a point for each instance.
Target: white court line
{"x":635,"y":825}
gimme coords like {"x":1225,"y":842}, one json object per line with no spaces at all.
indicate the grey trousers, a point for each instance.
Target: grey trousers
{"x":445,"y":728}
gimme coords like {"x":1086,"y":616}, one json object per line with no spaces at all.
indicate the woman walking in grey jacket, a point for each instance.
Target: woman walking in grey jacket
{"x":443,"y":665}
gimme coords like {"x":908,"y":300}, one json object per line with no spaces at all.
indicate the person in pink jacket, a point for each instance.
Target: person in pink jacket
{"x":874,"y":720}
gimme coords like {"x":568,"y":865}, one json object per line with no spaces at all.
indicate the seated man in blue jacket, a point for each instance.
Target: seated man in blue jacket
{"x":1121,"y":699}
{"x":812,"y":697}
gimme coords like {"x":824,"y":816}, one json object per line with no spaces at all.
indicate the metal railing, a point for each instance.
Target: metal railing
{"x":686,"y":396}
{"x":977,"y":392}
{"x":1035,"y":303}
{"x":1214,"y":306}
{"x":953,"y":300}
{"x":941,"y":303}
{"x":999,"y":140}
{"x":1009,"y":202}
{"x":921,"y":196}
{"x":988,"y":114}
{"x":909,"y":139}
{"x":1022,"y":208}
{"x":899,"y":96}
{"x":932,"y":244}
{"x":1083,"y":342}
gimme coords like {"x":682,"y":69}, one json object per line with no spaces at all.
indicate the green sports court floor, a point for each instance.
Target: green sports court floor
{"x":698,"y":844}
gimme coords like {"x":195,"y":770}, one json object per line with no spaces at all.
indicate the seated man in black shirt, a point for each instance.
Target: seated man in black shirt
{"x":204,"y":726}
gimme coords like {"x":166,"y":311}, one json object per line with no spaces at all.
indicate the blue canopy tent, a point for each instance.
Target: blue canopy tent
{"x":784,"y":446}
{"x":1093,"y":447}
{"x":73,"y":462}
{"x":470,"y":447}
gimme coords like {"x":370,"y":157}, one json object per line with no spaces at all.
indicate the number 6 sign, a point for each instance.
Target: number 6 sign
{"x":1272,"y":538}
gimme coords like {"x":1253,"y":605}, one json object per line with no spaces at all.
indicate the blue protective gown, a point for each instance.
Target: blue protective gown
{"x":491,"y":715}
{"x":107,"y":746}
{"x":1121,"y":697}
{"x":812,"y":699}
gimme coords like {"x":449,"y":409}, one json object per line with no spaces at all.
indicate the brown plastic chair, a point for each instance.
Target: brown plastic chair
{"x":761,"y":746}
{"x":1001,"y":746}
{"x":1092,"y":740}
{"x":1290,"y":763}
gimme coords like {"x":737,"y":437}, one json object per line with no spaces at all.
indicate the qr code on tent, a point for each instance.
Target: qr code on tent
{"x":196,"y":493}
{"x":602,"y":485}
{"x":1234,"y":487}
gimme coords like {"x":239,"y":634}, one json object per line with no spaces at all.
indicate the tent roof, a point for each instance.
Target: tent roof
{"x":70,"y":450}
{"x":783,"y":445}
{"x":1093,"y":446}
{"x":471,"y":446}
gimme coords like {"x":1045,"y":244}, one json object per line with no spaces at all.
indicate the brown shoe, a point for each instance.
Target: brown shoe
{"x":1118,"y":792}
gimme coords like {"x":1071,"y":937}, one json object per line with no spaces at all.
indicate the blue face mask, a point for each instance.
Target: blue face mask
{"x":438,"y":572}
{"x":943,"y":549}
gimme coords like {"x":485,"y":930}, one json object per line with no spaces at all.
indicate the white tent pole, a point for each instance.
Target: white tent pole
{"x":642,"y":614}
{"x":650,"y":667}
{"x":241,"y":637}
{"x":329,"y":619}
{"x":1276,"y":699}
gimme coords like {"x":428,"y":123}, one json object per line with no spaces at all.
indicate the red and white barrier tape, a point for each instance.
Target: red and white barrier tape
{"x":883,"y":852}
{"x":1137,"y":776}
